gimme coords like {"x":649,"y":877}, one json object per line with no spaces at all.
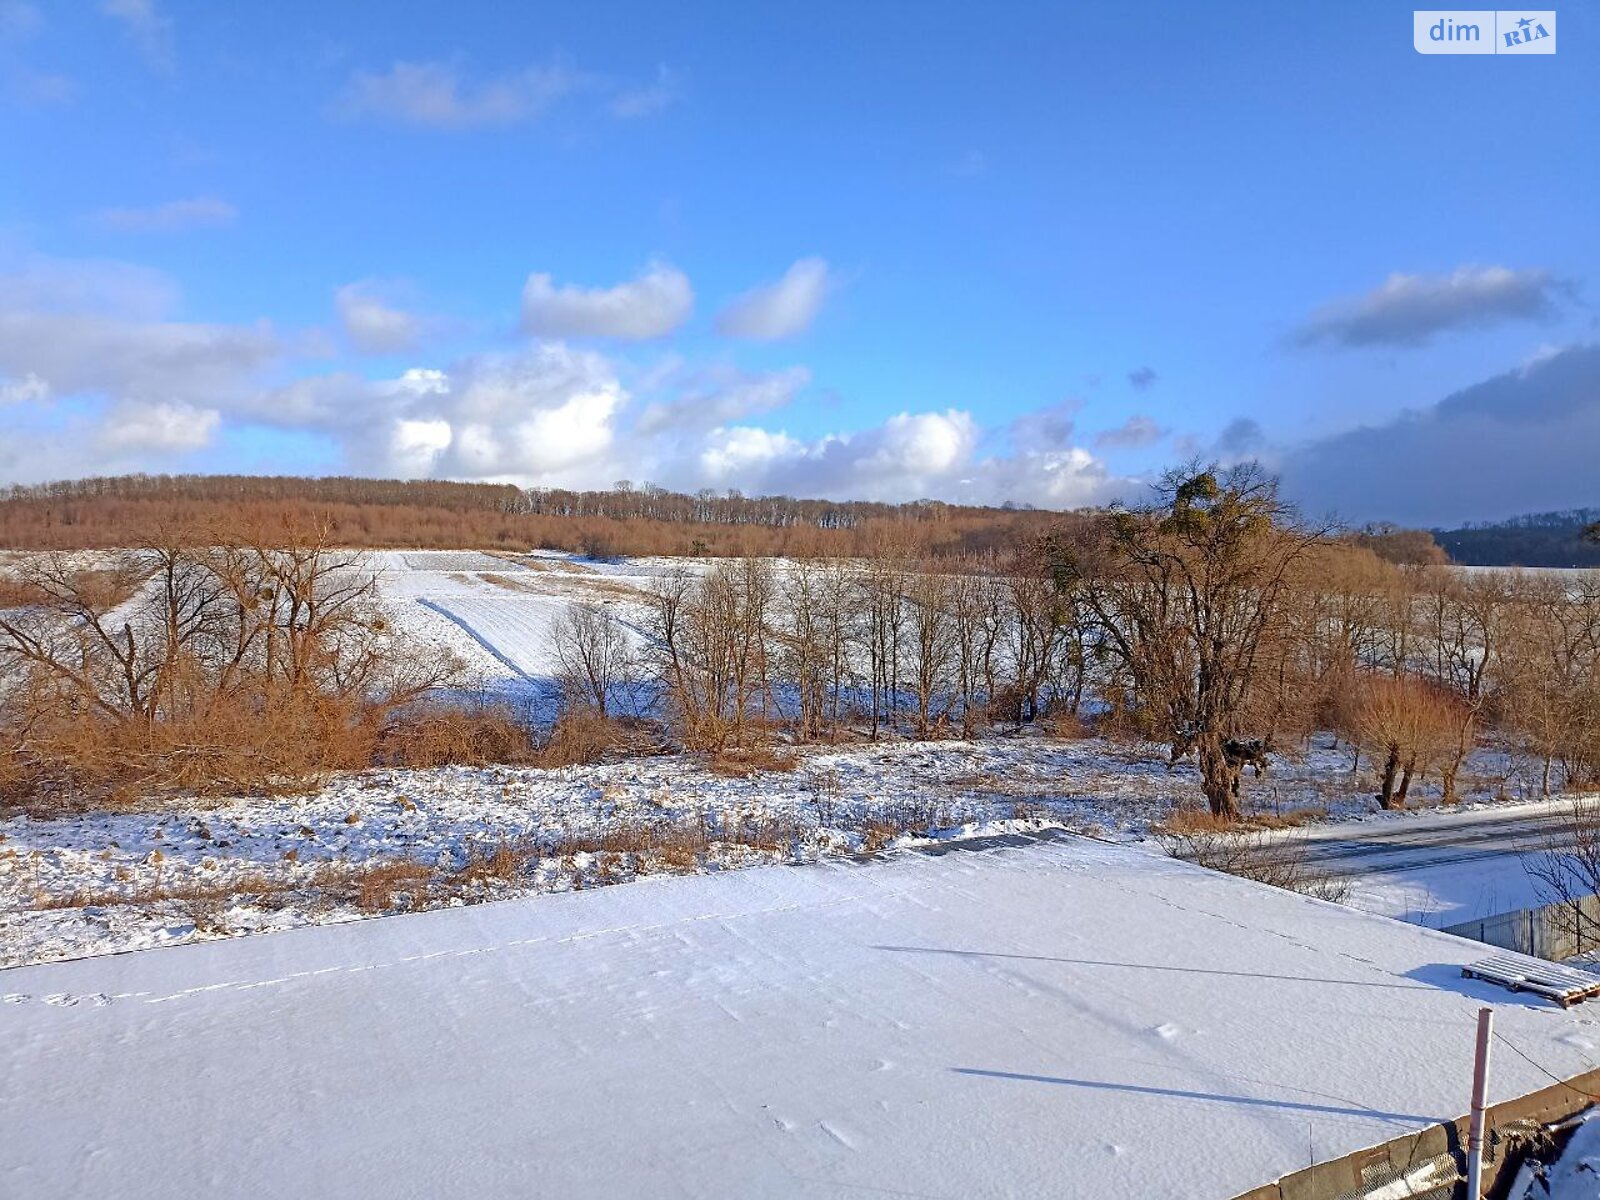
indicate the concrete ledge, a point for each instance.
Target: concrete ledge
{"x":1369,"y":1173}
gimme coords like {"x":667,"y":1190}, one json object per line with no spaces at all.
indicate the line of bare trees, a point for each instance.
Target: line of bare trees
{"x":222,"y":661}
{"x":1212,"y":620}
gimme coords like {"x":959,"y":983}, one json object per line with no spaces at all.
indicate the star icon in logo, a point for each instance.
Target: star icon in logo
{"x":1525,"y":22}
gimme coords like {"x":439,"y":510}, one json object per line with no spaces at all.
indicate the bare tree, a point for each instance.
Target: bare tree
{"x":205,"y":661}
{"x":1185,"y":596}
{"x":1408,"y":726}
{"x":594,"y":654}
{"x":1566,"y":873}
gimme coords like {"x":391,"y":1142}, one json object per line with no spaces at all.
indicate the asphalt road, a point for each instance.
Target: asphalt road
{"x":1435,"y":840}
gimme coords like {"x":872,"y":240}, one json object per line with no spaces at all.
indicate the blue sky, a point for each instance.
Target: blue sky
{"x":1028,"y":252}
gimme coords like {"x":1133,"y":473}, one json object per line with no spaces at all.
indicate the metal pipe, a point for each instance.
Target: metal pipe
{"x":1480,"y":1085}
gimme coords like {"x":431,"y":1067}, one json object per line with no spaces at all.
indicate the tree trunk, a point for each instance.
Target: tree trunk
{"x":1219,"y":777}
{"x":1391,"y":768}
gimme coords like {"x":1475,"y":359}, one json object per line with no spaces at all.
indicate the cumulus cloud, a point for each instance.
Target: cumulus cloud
{"x":145,"y":386}
{"x":779,"y":309}
{"x":112,"y":356}
{"x":1409,"y":310}
{"x":1134,"y":432}
{"x":1142,"y":378}
{"x":163,"y":428}
{"x":654,"y":304}
{"x":170,"y":217}
{"x":434,"y":95}
{"x":29,"y":389}
{"x":545,"y":415}
{"x":1522,"y":441}
{"x":722,"y":396}
{"x":372,"y":325}
{"x":909,"y":456}
{"x":150,"y":31}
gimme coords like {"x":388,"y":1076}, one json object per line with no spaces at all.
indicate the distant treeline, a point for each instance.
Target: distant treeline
{"x":625,"y":519}
{"x":1552,"y":539}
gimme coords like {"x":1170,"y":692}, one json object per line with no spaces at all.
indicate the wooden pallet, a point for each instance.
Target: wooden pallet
{"x":1565,"y":985}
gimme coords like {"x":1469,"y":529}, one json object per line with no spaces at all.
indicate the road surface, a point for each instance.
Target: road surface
{"x":1441,"y":868}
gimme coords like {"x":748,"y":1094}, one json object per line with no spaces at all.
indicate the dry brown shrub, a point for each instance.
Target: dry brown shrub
{"x":1185,"y":821}
{"x":17,"y":593}
{"x":1308,"y":814}
{"x":442,"y":735}
{"x":1220,"y":845}
{"x":504,"y":863}
{"x":1068,"y":726}
{"x":751,"y":760}
{"x":876,"y":834}
{"x":581,"y":736}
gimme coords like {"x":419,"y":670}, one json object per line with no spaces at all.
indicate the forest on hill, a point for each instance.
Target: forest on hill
{"x":1551,"y":539}
{"x":626,"y":519}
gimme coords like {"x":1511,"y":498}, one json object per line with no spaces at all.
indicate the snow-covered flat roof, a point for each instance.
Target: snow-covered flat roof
{"x":1063,"y":1019}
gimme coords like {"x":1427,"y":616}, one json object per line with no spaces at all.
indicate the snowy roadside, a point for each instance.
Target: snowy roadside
{"x":385,"y":841}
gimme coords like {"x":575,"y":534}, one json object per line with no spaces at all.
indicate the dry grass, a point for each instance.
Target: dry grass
{"x":876,"y":834}
{"x":445,"y":735}
{"x":749,"y":761}
{"x":581,"y":736}
{"x":1249,"y":852}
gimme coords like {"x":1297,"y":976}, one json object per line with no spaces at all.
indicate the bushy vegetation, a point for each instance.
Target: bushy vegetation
{"x":1211,"y":620}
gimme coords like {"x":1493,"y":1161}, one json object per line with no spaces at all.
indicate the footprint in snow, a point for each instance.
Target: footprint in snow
{"x":1167,"y":1031}
{"x":15,"y":997}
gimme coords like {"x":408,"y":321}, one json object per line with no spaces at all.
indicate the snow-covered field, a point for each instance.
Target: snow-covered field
{"x":1073,"y":1019}
{"x":497,"y":613}
{"x":100,"y":883}
{"x":188,"y":871}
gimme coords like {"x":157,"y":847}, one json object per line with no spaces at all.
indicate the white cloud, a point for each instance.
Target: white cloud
{"x":780,"y":309}
{"x":147,"y":387}
{"x":163,"y":428}
{"x":100,"y":330}
{"x":82,"y":352}
{"x":721,"y":396}
{"x":1409,"y":310}
{"x":86,"y":285}
{"x":29,"y":389}
{"x":415,"y":446}
{"x":373,"y":326}
{"x":172,"y":216}
{"x":654,"y":304}
{"x":736,"y":455}
{"x":151,"y":31}
{"x":646,"y":99}
{"x":433,"y":95}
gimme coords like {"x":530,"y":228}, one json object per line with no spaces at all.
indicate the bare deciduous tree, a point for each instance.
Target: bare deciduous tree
{"x":595,"y":656}
{"x":1186,"y":596}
